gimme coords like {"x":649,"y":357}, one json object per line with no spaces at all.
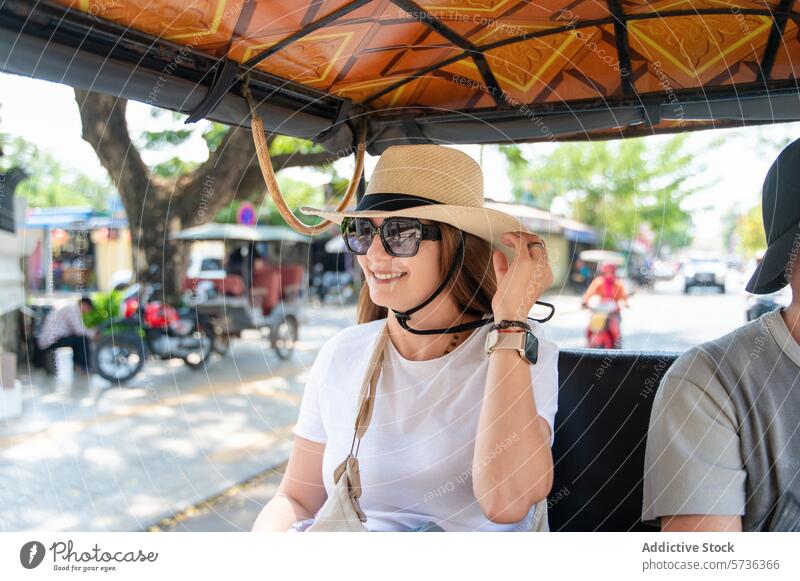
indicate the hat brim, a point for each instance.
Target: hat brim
{"x":770,"y":275}
{"x":482,"y":222}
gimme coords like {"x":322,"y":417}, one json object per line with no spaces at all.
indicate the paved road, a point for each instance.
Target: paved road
{"x":122,"y":459}
{"x":662,"y":319}
{"x":182,"y":450}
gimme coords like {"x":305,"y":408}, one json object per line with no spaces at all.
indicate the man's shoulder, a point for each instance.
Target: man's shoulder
{"x":739,"y":342}
{"x":731,"y":351}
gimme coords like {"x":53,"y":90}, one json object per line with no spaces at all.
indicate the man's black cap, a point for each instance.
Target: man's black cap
{"x":780,"y":209}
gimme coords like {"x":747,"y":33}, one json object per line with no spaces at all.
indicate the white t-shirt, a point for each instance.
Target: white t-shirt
{"x":415,"y":459}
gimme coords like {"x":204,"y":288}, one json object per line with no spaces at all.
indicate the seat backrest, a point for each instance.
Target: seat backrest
{"x":604,"y":404}
{"x":291,"y":281}
{"x":267,"y":280}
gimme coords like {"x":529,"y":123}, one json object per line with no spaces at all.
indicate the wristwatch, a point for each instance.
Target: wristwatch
{"x":523,"y":341}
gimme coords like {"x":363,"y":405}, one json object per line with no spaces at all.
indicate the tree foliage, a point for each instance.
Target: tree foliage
{"x":50,"y":184}
{"x":750,"y":232}
{"x":618,"y":187}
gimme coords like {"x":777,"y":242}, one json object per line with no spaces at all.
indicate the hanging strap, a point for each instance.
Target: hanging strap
{"x":265,"y":163}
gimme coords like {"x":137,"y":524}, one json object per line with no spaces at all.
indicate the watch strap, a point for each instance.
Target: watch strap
{"x":505,"y":324}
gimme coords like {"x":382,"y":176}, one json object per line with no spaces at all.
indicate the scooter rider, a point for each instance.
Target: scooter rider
{"x":609,"y":288}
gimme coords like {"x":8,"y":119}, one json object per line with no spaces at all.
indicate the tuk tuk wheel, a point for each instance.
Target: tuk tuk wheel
{"x":283,"y":336}
{"x":204,"y":336}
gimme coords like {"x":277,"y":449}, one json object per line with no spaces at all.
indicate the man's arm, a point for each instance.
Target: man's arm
{"x":694,"y":475}
{"x":701,"y":523}
{"x":75,"y":322}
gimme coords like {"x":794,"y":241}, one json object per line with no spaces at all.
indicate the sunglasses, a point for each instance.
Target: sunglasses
{"x":400,"y":236}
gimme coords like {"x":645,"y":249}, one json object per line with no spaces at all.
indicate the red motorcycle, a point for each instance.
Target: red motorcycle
{"x":598,"y":333}
{"x":150,"y":328}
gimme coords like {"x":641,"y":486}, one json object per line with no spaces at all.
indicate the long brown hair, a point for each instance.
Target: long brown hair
{"x":473,"y":284}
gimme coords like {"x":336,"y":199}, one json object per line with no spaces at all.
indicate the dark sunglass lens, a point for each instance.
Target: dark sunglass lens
{"x":403,"y":236}
{"x":358,"y":235}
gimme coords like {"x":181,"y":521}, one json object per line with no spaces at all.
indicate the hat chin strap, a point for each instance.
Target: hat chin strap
{"x":404,"y":316}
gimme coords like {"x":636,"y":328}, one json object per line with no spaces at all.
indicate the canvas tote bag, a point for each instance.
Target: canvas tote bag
{"x":341,"y":511}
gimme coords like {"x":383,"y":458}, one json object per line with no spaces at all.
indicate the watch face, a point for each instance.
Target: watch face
{"x":531,"y":347}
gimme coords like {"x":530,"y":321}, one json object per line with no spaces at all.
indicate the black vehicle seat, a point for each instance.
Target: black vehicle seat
{"x":604,"y":404}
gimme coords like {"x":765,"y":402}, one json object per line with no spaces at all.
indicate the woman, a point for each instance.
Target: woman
{"x":610,"y":290}
{"x":459,"y":439}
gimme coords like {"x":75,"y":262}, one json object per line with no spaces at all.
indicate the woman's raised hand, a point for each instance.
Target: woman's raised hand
{"x":521,"y":283}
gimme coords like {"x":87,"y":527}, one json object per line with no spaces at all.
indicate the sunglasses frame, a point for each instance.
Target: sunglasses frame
{"x":426,"y":232}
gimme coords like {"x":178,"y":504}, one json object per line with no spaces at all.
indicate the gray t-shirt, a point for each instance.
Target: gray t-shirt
{"x":724,"y":436}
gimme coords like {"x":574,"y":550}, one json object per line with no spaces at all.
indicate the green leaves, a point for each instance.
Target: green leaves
{"x":174,"y":166}
{"x":214,"y":135}
{"x":50,"y":184}
{"x":750,"y":231}
{"x":106,"y":306}
{"x":622,"y":188}
{"x":161,"y":139}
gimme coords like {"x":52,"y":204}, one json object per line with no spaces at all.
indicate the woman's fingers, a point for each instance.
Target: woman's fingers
{"x":525,"y":245}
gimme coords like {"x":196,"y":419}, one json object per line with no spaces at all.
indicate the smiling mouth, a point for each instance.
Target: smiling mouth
{"x":388,"y":277}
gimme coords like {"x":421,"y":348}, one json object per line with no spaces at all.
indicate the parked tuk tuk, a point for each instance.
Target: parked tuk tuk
{"x":363,"y":75}
{"x":259,"y":287}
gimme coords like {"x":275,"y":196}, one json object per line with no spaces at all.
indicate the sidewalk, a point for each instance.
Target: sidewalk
{"x":100,"y":459}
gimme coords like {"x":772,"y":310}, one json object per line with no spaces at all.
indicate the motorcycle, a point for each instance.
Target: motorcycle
{"x":598,"y":334}
{"x":758,"y":305}
{"x":150,"y":328}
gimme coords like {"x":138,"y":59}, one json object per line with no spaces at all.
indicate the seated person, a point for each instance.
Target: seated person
{"x":64,"y":327}
{"x":723,"y":450}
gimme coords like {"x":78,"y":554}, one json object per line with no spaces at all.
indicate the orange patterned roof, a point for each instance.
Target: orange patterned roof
{"x":379,"y":45}
{"x":465,"y":55}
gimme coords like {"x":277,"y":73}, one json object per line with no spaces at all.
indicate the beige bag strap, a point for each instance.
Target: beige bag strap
{"x":347,"y":475}
{"x":369,"y":388}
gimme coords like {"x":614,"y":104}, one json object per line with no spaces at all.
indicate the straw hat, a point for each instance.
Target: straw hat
{"x":431,"y":182}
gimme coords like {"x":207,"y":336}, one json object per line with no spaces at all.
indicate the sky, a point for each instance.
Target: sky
{"x":46,"y":114}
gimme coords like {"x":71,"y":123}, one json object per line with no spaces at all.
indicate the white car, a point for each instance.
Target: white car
{"x":207,"y":267}
{"x":704,"y":271}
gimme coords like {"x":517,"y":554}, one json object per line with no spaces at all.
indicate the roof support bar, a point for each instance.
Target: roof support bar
{"x":623,"y":49}
{"x":774,"y":40}
{"x":429,"y":20}
{"x":230,"y":74}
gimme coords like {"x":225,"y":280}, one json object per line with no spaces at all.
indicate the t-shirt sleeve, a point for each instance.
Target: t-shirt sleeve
{"x":309,"y":421}
{"x":693,"y":463}
{"x":544,"y":376}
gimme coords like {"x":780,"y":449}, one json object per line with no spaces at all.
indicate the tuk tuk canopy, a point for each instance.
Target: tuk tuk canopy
{"x":451,"y":71}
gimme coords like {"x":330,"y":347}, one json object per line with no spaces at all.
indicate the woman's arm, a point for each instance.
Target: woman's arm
{"x":301,"y":492}
{"x":512,"y":468}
